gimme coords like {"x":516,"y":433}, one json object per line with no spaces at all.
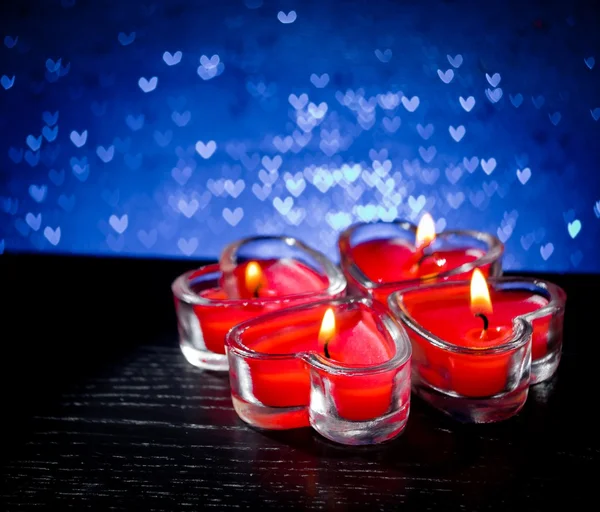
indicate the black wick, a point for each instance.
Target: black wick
{"x":423,"y":258}
{"x":486,"y":323}
{"x":256,"y":290}
{"x":424,"y":255}
{"x":326,"y":349}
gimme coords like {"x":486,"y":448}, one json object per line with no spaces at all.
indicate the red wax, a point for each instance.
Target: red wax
{"x":281,"y":279}
{"x":447,"y":314}
{"x":395,"y":260}
{"x":358,"y":342}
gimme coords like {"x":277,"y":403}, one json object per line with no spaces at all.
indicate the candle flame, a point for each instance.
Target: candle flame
{"x":425,"y":231}
{"x":253,"y":277}
{"x":480,"y":294}
{"x":327,"y":330}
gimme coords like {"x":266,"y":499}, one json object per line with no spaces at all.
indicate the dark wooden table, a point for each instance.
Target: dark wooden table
{"x":100,"y":410}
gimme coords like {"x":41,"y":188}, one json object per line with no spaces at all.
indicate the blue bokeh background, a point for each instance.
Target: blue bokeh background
{"x":169,"y":127}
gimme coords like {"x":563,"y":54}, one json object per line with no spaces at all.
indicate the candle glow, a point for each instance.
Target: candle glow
{"x":425,"y":231}
{"x":327,"y":330}
{"x":253,"y":278}
{"x":481,"y":303}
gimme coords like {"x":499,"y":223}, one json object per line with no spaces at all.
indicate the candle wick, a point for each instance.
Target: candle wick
{"x":424,"y":254}
{"x":326,"y":349}
{"x":485,"y":320}
{"x":256,"y":290}
{"x":423,"y":258}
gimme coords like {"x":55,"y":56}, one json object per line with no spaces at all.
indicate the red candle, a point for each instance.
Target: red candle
{"x":355,"y":340}
{"x":391,"y":263}
{"x":272,"y":362}
{"x":272,"y":278}
{"x":254,"y":276}
{"x":474,"y":319}
{"x":386,"y":261}
{"x":257,"y":288}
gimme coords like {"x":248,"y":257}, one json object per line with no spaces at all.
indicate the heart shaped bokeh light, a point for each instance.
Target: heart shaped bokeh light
{"x":170,"y":128}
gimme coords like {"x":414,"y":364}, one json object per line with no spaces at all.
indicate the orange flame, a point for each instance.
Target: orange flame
{"x":480,"y":294}
{"x":327,"y":330}
{"x":425,"y":231}
{"x":254,"y":277}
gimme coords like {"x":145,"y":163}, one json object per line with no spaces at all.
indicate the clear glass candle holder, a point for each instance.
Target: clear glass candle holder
{"x":356,"y":391}
{"x":470,"y":378}
{"x":481,"y":250}
{"x":208,"y":304}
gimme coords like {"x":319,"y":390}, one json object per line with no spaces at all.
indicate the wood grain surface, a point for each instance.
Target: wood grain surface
{"x":102,"y":412}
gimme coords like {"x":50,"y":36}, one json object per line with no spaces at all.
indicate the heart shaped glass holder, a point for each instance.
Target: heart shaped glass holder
{"x":445,"y":374}
{"x":490,"y":247}
{"x":208,"y":304}
{"x":355,"y":392}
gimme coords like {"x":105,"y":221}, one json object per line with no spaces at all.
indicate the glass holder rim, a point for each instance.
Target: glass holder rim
{"x":336,"y":281}
{"x":522,"y":324}
{"x":493,"y":253}
{"x":399,"y":336}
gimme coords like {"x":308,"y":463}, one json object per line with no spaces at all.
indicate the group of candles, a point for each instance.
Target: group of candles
{"x":308,"y":343}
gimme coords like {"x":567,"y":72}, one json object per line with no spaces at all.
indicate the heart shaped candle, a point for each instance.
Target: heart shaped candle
{"x":479,"y":345}
{"x":341,"y":366}
{"x":255,"y":276}
{"x":381,"y":257}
